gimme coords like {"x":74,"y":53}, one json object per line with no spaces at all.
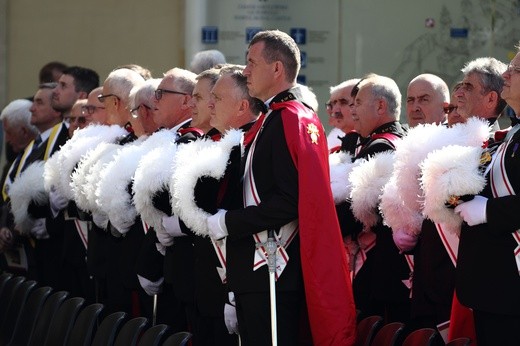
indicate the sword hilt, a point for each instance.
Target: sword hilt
{"x":271,"y":247}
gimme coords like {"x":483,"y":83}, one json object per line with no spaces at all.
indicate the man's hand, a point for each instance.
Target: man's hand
{"x":57,"y":201}
{"x":172,"y":226}
{"x":217,"y":225}
{"x":404,"y":241}
{"x":39,"y":229}
{"x":474,"y":211}
{"x":151,"y":288}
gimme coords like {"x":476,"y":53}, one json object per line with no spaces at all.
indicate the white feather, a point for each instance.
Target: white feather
{"x":450,"y":171}
{"x":367,"y":180}
{"x":340,"y":164}
{"x":26,"y":188}
{"x":198,"y":159}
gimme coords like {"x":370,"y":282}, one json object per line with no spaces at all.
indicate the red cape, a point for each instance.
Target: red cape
{"x":328,"y":289}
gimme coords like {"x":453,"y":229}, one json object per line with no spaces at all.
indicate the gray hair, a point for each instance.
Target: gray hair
{"x":206,"y":59}
{"x":490,"y":72}
{"x":144,"y":93}
{"x":183,"y":79}
{"x":345,"y":84}
{"x":121,"y":81}
{"x":237,"y":74}
{"x":386,"y":88}
{"x":18,"y":114}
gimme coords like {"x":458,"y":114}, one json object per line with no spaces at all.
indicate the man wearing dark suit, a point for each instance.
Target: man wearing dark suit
{"x":286,"y":146}
{"x":378,"y":285}
{"x":487,"y":275}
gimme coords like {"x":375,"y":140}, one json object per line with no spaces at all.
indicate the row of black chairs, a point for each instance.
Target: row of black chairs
{"x":372,"y":332}
{"x":31,"y":315}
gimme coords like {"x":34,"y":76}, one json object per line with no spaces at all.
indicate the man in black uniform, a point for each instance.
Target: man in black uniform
{"x":378,"y":285}
{"x":488,"y":266}
{"x":285,"y":149}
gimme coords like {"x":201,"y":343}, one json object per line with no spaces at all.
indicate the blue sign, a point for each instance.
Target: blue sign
{"x":301,"y":79}
{"x":251,"y":32}
{"x":209,"y":34}
{"x":459,"y":32}
{"x":303,"y":59}
{"x":299,"y":35}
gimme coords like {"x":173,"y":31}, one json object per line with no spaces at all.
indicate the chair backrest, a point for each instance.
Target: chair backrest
{"x":108,"y":329}
{"x":30,"y":312}
{"x":366,"y":329}
{"x":4,"y":277}
{"x":155,"y":335}
{"x":13,"y":311}
{"x":63,"y":320}
{"x":84,"y":327}
{"x":421,"y":337}
{"x":459,"y":342}
{"x":388,"y":334}
{"x":178,"y":339}
{"x":129,"y":334}
{"x":7,"y":295}
{"x":41,"y":329}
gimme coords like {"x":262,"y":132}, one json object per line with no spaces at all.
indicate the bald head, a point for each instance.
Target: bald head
{"x":426,"y":100}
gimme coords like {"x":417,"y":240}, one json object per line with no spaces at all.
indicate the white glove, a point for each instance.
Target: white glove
{"x":161,"y":248}
{"x":151,"y":288}
{"x":100,"y":219}
{"x":39,"y":230}
{"x":164,"y":238}
{"x":230,"y":318}
{"x":404,"y":241}
{"x":172,"y":226}
{"x":217,"y":225}
{"x":116,"y":232}
{"x":474,"y":211}
{"x":57,"y":201}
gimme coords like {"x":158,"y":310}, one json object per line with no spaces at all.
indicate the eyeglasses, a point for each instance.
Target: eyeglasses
{"x":159,"y":93}
{"x":136,"y":109}
{"x":87,"y":110}
{"x":449,"y":109}
{"x":80,"y":120}
{"x":513,"y":68}
{"x":102,"y":98}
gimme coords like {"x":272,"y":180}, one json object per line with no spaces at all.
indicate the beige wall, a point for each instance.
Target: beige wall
{"x":96,"y":34}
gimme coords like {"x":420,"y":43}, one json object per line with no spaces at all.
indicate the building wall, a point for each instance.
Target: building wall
{"x":99,"y":34}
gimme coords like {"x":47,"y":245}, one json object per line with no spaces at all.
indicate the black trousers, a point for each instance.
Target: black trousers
{"x":493,"y":329}
{"x":254,"y":318}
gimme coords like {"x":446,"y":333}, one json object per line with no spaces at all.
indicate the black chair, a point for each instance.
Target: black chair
{"x":388,"y":334}
{"x":84,"y":327}
{"x":421,"y":337}
{"x":4,"y":277}
{"x":30,"y":312}
{"x":13,"y":311}
{"x":108,"y":329}
{"x":178,"y":339}
{"x":7,"y":295}
{"x":63,"y":320}
{"x":459,"y":342}
{"x":155,"y":335}
{"x":366,"y":329}
{"x":45,"y":318}
{"x":129,"y":334}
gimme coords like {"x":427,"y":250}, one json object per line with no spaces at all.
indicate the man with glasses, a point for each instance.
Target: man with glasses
{"x":94,"y":108}
{"x":76,"y":119}
{"x":75,"y":83}
{"x":488,"y":264}
{"x":142,"y":99}
{"x":479,"y":93}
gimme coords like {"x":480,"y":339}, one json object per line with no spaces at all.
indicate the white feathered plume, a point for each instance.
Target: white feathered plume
{"x":402,"y":199}
{"x":195,"y":160}
{"x":26,"y":188}
{"x":112,"y":193}
{"x":152,"y":175}
{"x":340,"y":164}
{"x":367,"y":180}
{"x":450,"y":171}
